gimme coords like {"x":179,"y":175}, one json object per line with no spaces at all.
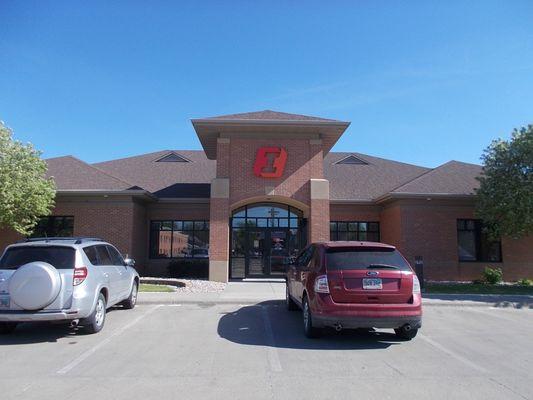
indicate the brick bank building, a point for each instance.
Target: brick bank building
{"x":265,"y":185}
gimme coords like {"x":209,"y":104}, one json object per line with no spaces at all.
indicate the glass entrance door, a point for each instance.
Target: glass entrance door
{"x":268,"y":252}
{"x":263,"y":239}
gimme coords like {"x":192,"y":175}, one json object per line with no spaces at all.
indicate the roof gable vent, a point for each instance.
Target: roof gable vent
{"x":172,"y":157}
{"x":351,"y":159}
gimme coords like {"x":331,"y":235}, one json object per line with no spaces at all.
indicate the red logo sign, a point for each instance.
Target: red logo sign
{"x":274,"y":165}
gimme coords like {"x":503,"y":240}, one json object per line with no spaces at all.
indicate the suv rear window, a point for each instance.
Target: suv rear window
{"x":365,"y":258}
{"x":59,"y":256}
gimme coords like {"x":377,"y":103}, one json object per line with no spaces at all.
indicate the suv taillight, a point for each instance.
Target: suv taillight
{"x":79,"y":275}
{"x":321,"y":284}
{"x":416,"y":284}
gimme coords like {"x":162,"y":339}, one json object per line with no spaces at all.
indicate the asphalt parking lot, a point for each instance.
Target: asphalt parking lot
{"x":218,"y":351}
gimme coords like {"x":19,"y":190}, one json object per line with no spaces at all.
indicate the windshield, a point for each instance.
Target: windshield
{"x":365,"y":258}
{"x":58,"y":256}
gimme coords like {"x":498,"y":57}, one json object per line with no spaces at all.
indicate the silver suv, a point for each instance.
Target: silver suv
{"x":64,"y":279}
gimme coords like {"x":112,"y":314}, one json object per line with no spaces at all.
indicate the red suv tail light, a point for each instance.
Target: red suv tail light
{"x":321,"y":284}
{"x":79,"y":275}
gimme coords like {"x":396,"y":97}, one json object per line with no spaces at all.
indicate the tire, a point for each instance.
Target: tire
{"x":95,"y":322}
{"x":7,"y":327}
{"x":402,"y":333}
{"x":309,"y":330}
{"x":131,"y":301}
{"x":291,"y":304}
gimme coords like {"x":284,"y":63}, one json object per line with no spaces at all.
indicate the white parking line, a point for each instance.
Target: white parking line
{"x":452,"y":354}
{"x":273,"y":358}
{"x":101,"y":344}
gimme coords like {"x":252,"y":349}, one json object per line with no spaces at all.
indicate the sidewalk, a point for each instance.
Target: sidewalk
{"x":257,"y":292}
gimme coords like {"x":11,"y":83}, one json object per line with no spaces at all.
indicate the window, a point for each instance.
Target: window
{"x":90,"y":252}
{"x":61,"y":257}
{"x":338,"y":259}
{"x":103,"y":255}
{"x":54,"y":226}
{"x":354,"y":230}
{"x":116,"y":258}
{"x":474,"y":244}
{"x":179,"y":239}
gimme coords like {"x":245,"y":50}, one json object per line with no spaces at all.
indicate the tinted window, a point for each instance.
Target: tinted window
{"x":304,"y":259}
{"x":103,"y":256}
{"x":116,"y":258}
{"x":58,"y":256}
{"x":90,"y":252}
{"x":363,"y":258}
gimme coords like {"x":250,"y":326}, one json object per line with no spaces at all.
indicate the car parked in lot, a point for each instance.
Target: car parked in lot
{"x":354,"y":285}
{"x":64,"y":279}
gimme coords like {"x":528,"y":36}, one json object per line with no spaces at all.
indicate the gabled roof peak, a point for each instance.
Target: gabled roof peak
{"x":351,"y":159}
{"x":267,"y":115}
{"x":172,"y":156}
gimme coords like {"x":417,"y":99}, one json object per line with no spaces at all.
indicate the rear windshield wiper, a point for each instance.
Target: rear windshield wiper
{"x":377,"y":266}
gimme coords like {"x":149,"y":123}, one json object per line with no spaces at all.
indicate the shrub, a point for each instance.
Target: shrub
{"x":525,"y":282}
{"x":493,"y":275}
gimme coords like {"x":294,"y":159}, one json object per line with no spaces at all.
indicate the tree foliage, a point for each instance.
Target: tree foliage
{"x":505,"y":195}
{"x":25,"y":192}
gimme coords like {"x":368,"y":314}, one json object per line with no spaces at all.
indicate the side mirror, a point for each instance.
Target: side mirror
{"x":129,"y":262}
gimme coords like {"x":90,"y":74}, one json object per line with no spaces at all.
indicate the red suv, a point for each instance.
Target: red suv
{"x":354,"y":285}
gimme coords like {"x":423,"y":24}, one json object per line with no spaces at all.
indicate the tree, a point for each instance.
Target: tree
{"x":25,"y":193}
{"x":505,"y":195}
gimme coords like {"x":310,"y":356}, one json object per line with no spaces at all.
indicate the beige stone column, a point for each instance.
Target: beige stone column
{"x":219,"y":230}
{"x":319,"y":212}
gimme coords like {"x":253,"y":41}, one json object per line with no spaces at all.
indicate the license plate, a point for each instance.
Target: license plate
{"x":4,"y":301}
{"x":372,"y":283}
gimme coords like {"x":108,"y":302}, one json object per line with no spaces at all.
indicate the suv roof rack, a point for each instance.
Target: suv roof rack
{"x":77,"y":240}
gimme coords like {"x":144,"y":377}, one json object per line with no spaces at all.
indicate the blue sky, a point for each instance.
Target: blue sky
{"x":421,"y":81}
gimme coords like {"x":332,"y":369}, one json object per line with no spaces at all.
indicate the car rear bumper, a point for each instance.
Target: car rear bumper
{"x":353,"y":322}
{"x":28,"y":316}
{"x":326,"y":312}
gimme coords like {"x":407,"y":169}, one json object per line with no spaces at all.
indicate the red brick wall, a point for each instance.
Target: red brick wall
{"x":302,"y":165}
{"x":354,"y":212}
{"x":429,"y":229}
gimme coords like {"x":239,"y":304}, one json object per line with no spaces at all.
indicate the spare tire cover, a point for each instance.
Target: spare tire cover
{"x":34,"y":285}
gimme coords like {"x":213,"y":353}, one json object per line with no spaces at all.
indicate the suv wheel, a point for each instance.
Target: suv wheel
{"x":7,"y":327}
{"x":95,"y":322}
{"x":406,"y":333}
{"x":130,"y":302}
{"x":291,"y":305}
{"x":309,"y":330}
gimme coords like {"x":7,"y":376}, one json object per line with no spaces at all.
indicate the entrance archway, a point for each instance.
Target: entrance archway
{"x":264,"y":237}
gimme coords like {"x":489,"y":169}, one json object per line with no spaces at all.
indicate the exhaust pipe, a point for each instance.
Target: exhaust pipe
{"x":338,"y":327}
{"x":407,"y":327}
{"x":74,"y":323}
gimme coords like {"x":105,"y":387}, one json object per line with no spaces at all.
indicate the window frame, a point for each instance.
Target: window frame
{"x":478,"y":239}
{"x":357,"y":232}
{"x":173,"y":223}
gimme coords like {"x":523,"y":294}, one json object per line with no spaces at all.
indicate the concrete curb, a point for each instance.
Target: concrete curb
{"x":172,"y":298}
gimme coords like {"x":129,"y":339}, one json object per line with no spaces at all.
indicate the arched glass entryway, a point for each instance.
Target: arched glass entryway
{"x":264,"y":236}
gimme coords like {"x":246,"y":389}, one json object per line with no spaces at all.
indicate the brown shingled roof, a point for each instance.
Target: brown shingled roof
{"x":70,"y":173}
{"x":452,"y":178}
{"x":348,"y":182}
{"x":268,"y":115}
{"x":146,"y":172}
{"x":365,"y":182}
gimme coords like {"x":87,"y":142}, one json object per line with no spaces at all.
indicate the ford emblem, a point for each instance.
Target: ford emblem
{"x":372,"y":273}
